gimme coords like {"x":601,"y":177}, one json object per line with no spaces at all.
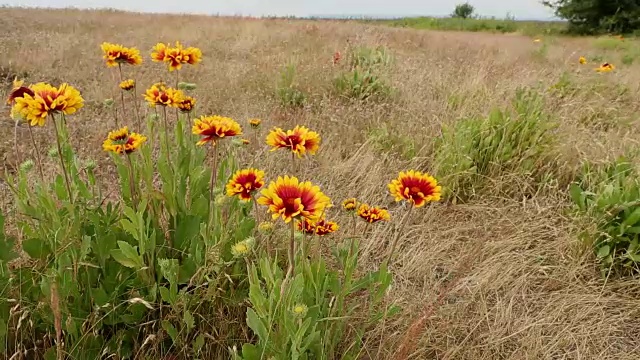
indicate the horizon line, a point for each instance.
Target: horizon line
{"x":359,"y":16}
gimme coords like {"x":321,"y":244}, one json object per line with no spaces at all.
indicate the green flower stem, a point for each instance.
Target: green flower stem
{"x":136,"y":108}
{"x":122,"y":92}
{"x":37,"y":151}
{"x":134,"y":195}
{"x":64,"y":168}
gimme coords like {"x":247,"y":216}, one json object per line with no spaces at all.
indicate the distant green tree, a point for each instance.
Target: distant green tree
{"x":598,"y":16}
{"x":463,"y":11}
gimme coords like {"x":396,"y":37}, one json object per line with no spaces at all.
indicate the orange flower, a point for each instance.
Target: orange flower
{"x":122,"y":142}
{"x":300,"y":140}
{"x":44,"y":100}
{"x":245,"y":183}
{"x":215,"y":127}
{"x":373,"y":214}
{"x":186,"y":104}
{"x":116,"y":54}
{"x":415,"y":187}
{"x":159,"y":94}
{"x":291,"y":199}
{"x":350,"y":204}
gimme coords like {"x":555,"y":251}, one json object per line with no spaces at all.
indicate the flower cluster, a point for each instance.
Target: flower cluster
{"x":176,"y":56}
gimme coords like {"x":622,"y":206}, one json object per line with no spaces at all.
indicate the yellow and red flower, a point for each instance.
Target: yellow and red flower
{"x":373,"y":214}
{"x":176,"y":56}
{"x":582,"y":60}
{"x":350,"y":204}
{"x":215,"y":127}
{"x":159,"y":52}
{"x":17,"y":91}
{"x":121,"y":141}
{"x":321,"y":228}
{"x":44,"y":99}
{"x":192,"y":55}
{"x":116,"y":54}
{"x":306,"y":227}
{"x":290,"y":199}
{"x":416,"y":188}
{"x":186,"y":104}
{"x":159,"y":94}
{"x":128,"y":85}
{"x":255,"y":122}
{"x":300,"y":140}
{"x":324,"y":227}
{"x":245,"y":142}
{"x":606,"y":67}
{"x":245,"y":183}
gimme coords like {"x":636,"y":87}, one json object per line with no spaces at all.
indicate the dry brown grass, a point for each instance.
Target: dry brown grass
{"x":530,"y":292}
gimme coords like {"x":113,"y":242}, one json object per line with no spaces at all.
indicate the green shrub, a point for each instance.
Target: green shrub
{"x":287,"y":89}
{"x":486,"y":152}
{"x":608,"y":198}
{"x":364,"y":78}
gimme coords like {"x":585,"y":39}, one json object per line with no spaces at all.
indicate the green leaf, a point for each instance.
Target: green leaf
{"x":604,"y":251}
{"x":165,"y":295}
{"x":36,"y":248}
{"x":189,"y":320}
{"x":250,"y":352}
{"x":577,"y":196}
{"x":7,"y":244}
{"x":51,"y":354}
{"x":131,"y":253}
{"x":256,"y":324}
{"x":119,"y":256}
{"x":198,"y":343}
{"x":632,"y":219}
{"x":171,"y":330}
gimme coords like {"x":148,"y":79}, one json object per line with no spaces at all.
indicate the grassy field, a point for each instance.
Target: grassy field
{"x":495,"y":271}
{"x":529,"y":28}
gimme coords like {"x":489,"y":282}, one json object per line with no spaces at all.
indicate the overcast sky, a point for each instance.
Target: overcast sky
{"x":521,"y":9}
